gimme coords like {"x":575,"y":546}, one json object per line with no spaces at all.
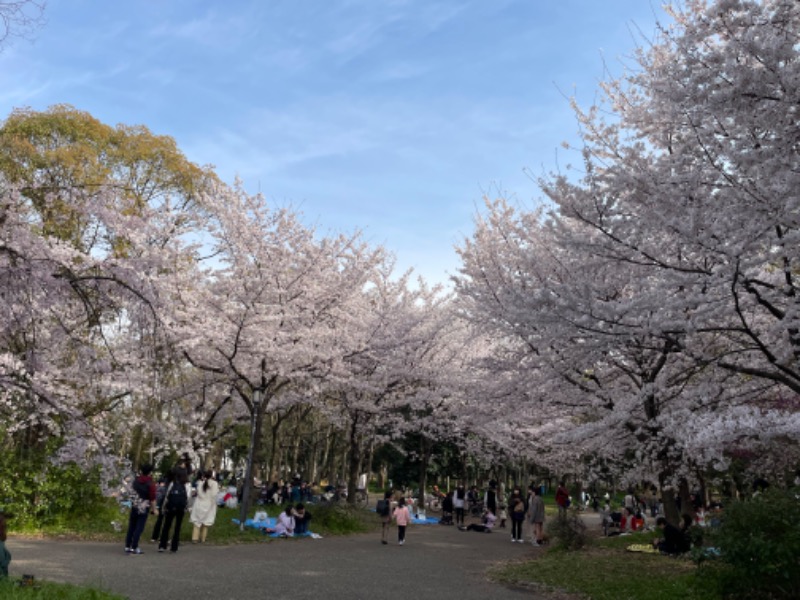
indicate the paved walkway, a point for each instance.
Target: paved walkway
{"x":436,"y":562}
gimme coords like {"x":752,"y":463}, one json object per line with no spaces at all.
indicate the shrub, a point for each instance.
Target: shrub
{"x":568,"y":531}
{"x":337,"y":519}
{"x":759,"y":544}
{"x":40,"y":493}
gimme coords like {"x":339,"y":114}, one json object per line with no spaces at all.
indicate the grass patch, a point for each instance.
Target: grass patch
{"x":606,"y":571}
{"x":45,"y":590}
{"x":97,"y":526}
{"x":342,"y":519}
{"x":110,"y":524}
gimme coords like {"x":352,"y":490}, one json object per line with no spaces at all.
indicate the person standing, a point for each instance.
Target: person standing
{"x":177,"y":498}
{"x":161,"y":493}
{"x":384,"y":510}
{"x":402,"y":517}
{"x":459,"y":501}
{"x":5,"y":555}
{"x":490,"y":498}
{"x":562,"y":498}
{"x":204,"y":509}
{"x":536,"y":516}
{"x":143,"y":496}
{"x":517,"y":506}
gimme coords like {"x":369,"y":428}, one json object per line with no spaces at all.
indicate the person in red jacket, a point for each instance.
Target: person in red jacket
{"x":143,"y":496}
{"x":562,"y":498}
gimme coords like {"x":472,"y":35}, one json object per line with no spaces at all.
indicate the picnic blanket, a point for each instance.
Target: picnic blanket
{"x":270,"y":523}
{"x":256,"y":524}
{"x":425,"y":520}
{"x":646,"y":548}
{"x":417,"y":520}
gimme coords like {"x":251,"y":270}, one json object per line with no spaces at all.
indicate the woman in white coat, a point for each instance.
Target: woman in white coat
{"x":204,"y":509}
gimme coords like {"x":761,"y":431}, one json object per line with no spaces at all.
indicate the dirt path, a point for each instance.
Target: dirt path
{"x":436,"y":562}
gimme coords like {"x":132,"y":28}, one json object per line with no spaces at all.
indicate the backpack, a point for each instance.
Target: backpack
{"x":176,"y":497}
{"x":382,"y":508}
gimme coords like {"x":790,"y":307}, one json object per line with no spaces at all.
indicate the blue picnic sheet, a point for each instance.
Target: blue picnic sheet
{"x":425,"y":521}
{"x":416,"y":520}
{"x":270,"y":522}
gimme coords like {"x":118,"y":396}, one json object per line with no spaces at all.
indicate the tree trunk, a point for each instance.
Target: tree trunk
{"x":425,"y":456}
{"x":275,"y":425}
{"x":256,"y":418}
{"x":671,"y":512}
{"x":353,"y":461}
{"x":326,"y":452}
{"x":686,"y":501}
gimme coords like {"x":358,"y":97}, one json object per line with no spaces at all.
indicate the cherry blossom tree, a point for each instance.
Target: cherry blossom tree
{"x":80,"y":341}
{"x":694,"y":181}
{"x":267,"y":318}
{"x":661,"y":290}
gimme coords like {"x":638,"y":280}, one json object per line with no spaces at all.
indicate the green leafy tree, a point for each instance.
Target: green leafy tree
{"x":52,"y":153}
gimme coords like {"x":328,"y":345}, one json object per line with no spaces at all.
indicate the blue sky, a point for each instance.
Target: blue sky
{"x":390,"y":116}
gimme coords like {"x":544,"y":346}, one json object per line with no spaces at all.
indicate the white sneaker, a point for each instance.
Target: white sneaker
{"x":535,"y":543}
{"x":401,"y":542}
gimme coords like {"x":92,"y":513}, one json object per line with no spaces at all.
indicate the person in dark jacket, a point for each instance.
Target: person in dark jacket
{"x":143,"y":497}
{"x":674,"y":541}
{"x":490,"y":499}
{"x":174,"y":512}
{"x":5,"y":555}
{"x":161,"y":493}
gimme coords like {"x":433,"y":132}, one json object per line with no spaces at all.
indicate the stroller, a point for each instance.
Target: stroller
{"x":447,"y":518}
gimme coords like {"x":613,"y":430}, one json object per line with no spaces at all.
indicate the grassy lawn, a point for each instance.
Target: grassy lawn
{"x":606,"y":571}
{"x":110,"y":525}
{"x":43,"y":590}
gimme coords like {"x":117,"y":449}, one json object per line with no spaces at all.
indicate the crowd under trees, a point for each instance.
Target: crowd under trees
{"x":642,"y":326}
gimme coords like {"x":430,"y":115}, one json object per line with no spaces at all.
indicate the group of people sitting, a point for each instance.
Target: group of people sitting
{"x":625,"y":521}
{"x":283,"y":492}
{"x":293,"y":520}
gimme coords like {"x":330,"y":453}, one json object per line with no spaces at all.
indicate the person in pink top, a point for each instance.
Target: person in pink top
{"x":402,"y":517}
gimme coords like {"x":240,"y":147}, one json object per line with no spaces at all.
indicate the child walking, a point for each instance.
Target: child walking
{"x":402,"y":517}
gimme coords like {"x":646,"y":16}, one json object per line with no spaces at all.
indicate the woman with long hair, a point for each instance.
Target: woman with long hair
{"x":204,"y":510}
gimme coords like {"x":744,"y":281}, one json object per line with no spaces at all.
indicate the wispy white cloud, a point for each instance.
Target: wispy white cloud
{"x":392,"y":116}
